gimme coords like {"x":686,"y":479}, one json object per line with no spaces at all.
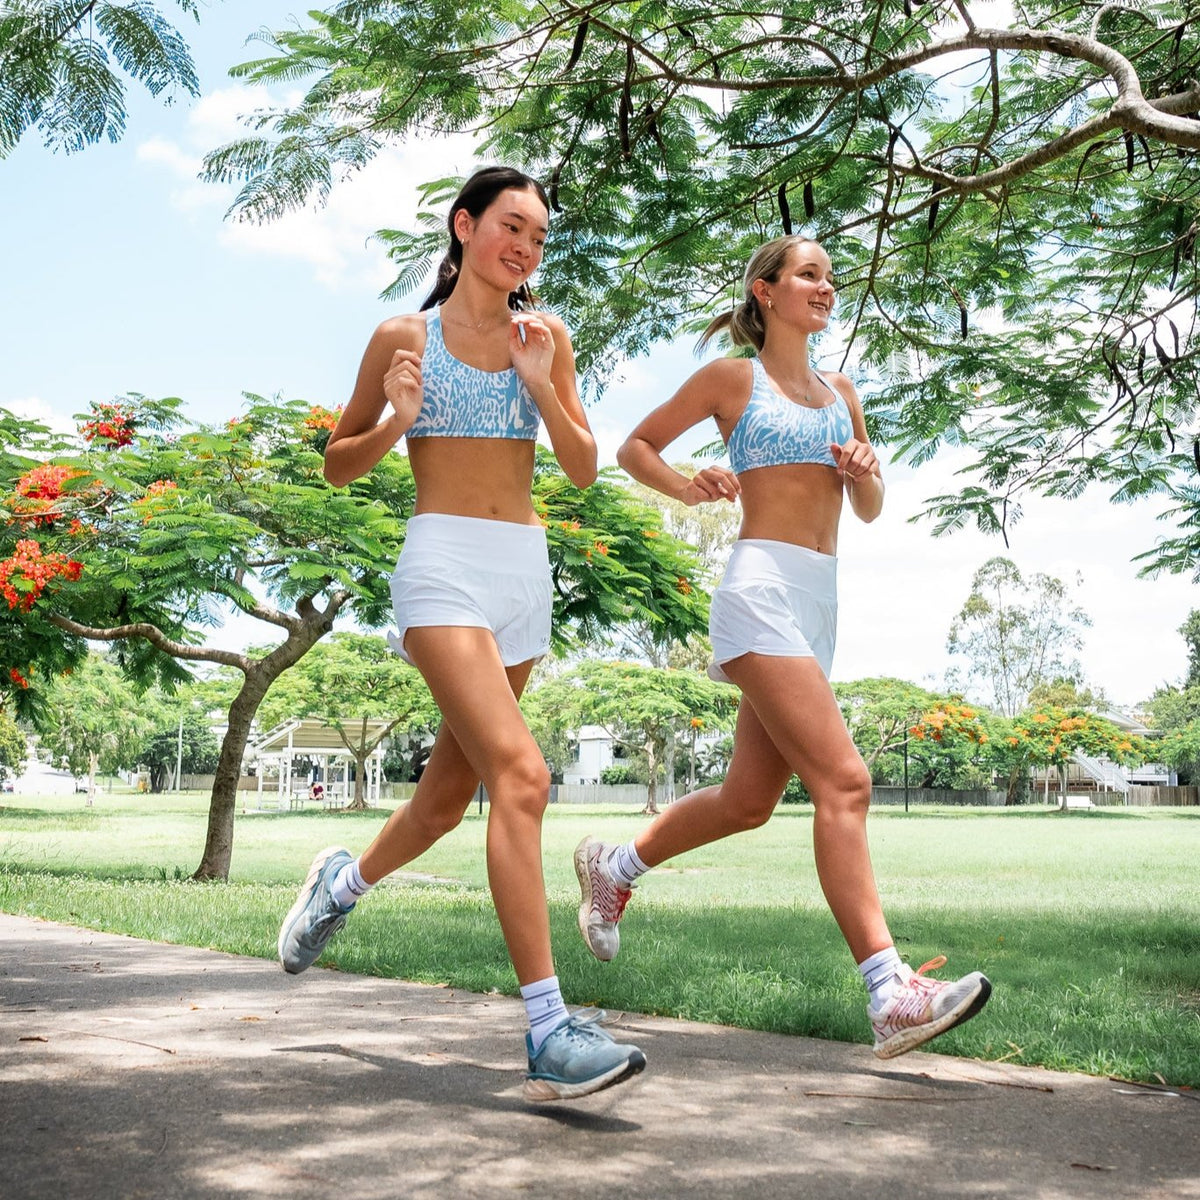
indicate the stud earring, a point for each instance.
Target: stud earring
{"x":770,"y":303}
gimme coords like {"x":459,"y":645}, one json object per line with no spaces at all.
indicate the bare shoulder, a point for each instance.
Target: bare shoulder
{"x":844,"y":385}
{"x":403,"y":332}
{"x":725,"y":384}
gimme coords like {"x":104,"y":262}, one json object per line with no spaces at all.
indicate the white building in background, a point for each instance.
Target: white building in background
{"x":594,"y":747}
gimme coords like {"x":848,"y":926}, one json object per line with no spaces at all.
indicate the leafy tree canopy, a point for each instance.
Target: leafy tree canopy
{"x":61,"y":63}
{"x":1190,"y":632}
{"x":879,"y":713}
{"x":13,"y":746}
{"x":93,"y":720}
{"x":1049,"y":736}
{"x":644,"y":706}
{"x":347,"y":682}
{"x":147,"y":529}
{"x":1015,"y":632}
{"x":1012,"y":211}
{"x":181,"y":738}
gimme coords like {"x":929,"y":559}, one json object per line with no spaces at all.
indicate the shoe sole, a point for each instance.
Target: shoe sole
{"x":910,"y":1039}
{"x":585,"y":886}
{"x":306,"y":888}
{"x":542,"y":1091}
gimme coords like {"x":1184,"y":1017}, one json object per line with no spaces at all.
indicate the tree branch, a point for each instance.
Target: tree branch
{"x":156,"y":637}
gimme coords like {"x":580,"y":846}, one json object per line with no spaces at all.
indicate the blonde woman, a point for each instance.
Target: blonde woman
{"x":798,"y":449}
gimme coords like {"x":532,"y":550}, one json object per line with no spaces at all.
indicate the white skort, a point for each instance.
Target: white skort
{"x":470,"y":571}
{"x":775,"y":599}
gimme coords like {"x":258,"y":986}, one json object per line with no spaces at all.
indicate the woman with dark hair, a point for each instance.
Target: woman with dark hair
{"x":468,"y":380}
{"x":797,"y":445}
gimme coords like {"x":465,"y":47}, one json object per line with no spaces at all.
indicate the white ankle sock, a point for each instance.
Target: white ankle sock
{"x":545,"y":1009}
{"x":624,"y":865}
{"x":348,"y":885}
{"x":879,"y":973}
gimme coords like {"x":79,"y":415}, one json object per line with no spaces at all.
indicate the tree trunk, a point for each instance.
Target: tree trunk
{"x":1062,"y":789}
{"x":651,"y":808}
{"x":359,"y":803}
{"x":93,"y":763}
{"x":669,"y":768}
{"x":218,"y":844}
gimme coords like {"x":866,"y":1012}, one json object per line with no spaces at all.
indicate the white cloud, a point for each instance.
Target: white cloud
{"x":330,"y":237}
{"x":33,"y":408}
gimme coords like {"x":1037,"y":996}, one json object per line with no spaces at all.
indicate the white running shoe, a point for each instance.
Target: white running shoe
{"x":603,"y":899}
{"x":921,"y":1008}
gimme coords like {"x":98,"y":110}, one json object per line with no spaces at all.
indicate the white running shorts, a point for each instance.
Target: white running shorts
{"x":470,"y":571}
{"x":776,"y":599}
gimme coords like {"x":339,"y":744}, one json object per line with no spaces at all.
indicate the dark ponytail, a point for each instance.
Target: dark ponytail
{"x":476,"y":196}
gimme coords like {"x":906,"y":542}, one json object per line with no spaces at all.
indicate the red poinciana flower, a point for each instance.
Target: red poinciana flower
{"x":112,"y":424}
{"x":38,"y":492}
{"x":321,"y":418}
{"x":36,"y":570}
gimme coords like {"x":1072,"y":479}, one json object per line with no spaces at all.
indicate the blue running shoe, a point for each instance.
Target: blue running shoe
{"x":316,"y":916}
{"x":578,"y":1058}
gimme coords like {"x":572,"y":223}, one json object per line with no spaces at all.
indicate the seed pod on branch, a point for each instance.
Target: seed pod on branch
{"x":933,"y":207}
{"x":810,"y":206}
{"x":577,"y":46}
{"x":626,"y":103}
{"x":785,"y":212}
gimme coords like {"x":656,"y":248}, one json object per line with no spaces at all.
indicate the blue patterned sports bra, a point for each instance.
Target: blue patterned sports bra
{"x":774,"y":430}
{"x":462,"y":401}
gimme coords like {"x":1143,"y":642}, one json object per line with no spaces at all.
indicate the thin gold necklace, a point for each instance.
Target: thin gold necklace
{"x":790,"y":389}
{"x":478,"y":326}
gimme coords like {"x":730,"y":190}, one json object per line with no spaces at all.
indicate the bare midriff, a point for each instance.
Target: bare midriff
{"x":488,"y":478}
{"x":799,"y":503}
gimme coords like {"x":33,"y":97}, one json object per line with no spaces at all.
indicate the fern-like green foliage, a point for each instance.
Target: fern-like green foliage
{"x":1016,"y":253}
{"x":63,"y":65}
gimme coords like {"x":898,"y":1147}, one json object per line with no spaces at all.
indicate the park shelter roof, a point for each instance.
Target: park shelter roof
{"x":311,"y":734}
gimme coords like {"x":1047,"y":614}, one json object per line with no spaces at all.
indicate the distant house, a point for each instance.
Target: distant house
{"x":1103,"y":775}
{"x":595,"y":750}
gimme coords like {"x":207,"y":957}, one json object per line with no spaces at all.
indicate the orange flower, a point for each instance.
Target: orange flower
{"x":322,"y":418}
{"x":38,"y":492}
{"x":682,"y":586}
{"x":112,"y":424}
{"x":36,"y":569}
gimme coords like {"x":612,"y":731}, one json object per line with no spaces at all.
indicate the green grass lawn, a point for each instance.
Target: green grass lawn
{"x":1088,"y":924}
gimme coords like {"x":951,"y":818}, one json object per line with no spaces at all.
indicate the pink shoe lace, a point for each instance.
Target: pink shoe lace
{"x":912,"y":1001}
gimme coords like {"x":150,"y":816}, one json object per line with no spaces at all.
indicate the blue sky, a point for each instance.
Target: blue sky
{"x":121,"y":275}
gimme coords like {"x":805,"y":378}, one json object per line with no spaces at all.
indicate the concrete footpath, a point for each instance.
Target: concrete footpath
{"x":133,"y":1069}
